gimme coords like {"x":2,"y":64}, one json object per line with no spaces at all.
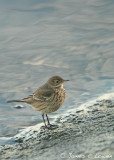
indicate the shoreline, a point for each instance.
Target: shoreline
{"x":84,"y":133}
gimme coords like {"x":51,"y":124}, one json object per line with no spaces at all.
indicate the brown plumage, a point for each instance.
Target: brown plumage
{"x":47,"y":98}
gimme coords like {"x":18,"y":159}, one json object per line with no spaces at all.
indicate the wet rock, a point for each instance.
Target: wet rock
{"x":18,"y":106}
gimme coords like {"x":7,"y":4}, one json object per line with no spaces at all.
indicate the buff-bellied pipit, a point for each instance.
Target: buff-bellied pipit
{"x":47,"y":98}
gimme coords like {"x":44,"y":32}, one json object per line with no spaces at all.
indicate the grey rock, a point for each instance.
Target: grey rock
{"x":81,"y":135}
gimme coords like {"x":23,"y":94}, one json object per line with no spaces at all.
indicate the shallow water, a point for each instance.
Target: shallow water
{"x":38,"y":39}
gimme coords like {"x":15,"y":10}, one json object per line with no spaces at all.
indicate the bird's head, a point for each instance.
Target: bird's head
{"x":56,"y":81}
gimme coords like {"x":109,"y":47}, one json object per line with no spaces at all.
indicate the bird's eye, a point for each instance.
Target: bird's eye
{"x":57,"y":81}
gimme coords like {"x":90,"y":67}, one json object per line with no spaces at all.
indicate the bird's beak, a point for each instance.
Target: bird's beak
{"x":65,"y":80}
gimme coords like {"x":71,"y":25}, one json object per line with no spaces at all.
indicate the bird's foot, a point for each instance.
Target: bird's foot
{"x":50,"y":126}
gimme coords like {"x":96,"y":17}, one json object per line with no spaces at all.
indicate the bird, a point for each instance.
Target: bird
{"x":48,"y":98}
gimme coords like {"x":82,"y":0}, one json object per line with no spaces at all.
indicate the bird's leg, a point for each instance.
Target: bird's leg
{"x":50,"y":125}
{"x":44,"y":120}
{"x":48,"y":120}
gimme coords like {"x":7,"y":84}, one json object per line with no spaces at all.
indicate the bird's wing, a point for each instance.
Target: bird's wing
{"x":42,"y":94}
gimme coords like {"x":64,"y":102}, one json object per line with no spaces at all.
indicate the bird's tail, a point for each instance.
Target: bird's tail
{"x":11,"y":101}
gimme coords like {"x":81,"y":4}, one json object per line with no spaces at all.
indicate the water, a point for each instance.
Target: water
{"x":38,"y":39}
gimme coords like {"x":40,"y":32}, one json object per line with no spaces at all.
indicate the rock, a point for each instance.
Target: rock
{"x":84,"y":134}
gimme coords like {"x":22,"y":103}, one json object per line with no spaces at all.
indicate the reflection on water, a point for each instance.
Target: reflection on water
{"x":38,"y":39}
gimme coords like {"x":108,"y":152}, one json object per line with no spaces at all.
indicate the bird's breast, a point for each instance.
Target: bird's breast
{"x":60,"y":95}
{"x":57,"y":99}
